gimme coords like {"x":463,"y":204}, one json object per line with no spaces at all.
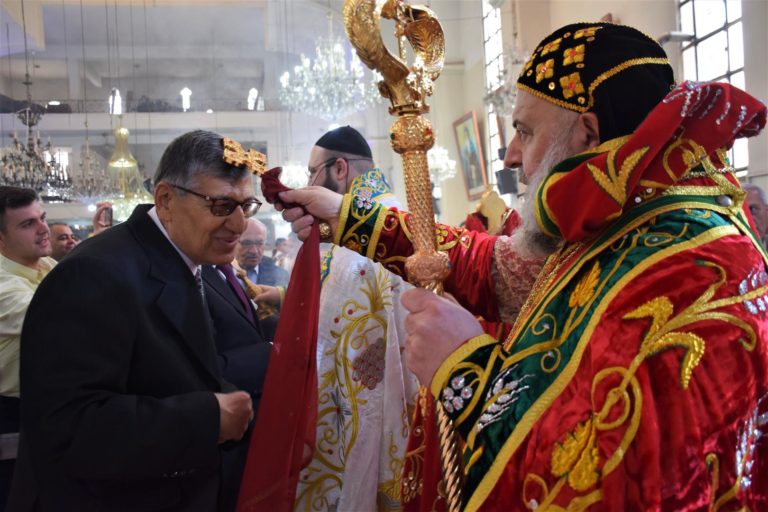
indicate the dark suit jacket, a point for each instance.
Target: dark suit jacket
{"x":119,"y":368}
{"x":243,"y":358}
{"x":243,"y":351}
{"x":272,"y":275}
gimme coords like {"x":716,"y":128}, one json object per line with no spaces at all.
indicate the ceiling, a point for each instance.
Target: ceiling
{"x":154,"y":48}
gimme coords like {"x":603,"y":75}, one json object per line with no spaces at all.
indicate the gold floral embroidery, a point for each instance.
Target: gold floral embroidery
{"x":586,"y":32}
{"x":657,"y":340}
{"x":342,"y":392}
{"x":585,"y":289}
{"x":576,"y":461}
{"x":577,"y":457}
{"x":551,"y":46}
{"x":545,"y":70}
{"x":615,"y":182}
{"x":571,"y":85}
{"x":573,"y":55}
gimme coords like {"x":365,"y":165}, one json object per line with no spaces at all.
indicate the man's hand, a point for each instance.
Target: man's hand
{"x":435,"y":327}
{"x":99,"y":222}
{"x":235,"y":413}
{"x":317,"y":202}
{"x":269,"y":294}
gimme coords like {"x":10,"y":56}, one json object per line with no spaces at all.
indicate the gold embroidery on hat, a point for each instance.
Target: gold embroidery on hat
{"x":586,"y":32}
{"x":571,"y":85}
{"x":234,"y":154}
{"x":573,"y":55}
{"x":602,"y":77}
{"x":545,"y":70}
{"x":551,"y":46}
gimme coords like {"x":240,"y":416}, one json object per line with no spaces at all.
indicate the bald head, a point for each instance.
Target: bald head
{"x":250,"y":248}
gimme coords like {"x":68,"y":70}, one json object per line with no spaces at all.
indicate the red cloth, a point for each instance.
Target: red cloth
{"x":288,"y":410}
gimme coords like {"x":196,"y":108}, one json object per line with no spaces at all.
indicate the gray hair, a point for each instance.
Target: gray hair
{"x":195,"y":154}
{"x":760,"y":192}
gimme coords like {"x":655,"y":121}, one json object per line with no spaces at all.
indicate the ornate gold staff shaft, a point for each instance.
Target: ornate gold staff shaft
{"x":412,"y":136}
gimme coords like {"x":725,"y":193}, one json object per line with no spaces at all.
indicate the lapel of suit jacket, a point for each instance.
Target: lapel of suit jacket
{"x":179,"y":299}
{"x":214,"y":280}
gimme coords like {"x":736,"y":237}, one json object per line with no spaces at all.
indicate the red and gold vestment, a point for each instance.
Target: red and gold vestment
{"x":636,"y":374}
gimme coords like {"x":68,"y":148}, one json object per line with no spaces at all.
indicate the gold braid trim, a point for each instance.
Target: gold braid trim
{"x":602,"y":77}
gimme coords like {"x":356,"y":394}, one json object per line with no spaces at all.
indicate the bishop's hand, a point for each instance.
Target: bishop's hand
{"x":313,"y":203}
{"x":435,"y":327}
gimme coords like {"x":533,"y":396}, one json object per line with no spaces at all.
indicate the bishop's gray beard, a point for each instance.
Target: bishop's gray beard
{"x":529,"y":240}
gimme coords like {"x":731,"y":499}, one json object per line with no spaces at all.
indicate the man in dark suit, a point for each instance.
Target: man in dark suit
{"x":123,"y":406}
{"x":250,"y":257}
{"x":243,"y":358}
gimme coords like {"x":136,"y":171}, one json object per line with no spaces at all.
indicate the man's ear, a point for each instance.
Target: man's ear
{"x":341,"y":169}
{"x":164,"y":196}
{"x":587,"y":132}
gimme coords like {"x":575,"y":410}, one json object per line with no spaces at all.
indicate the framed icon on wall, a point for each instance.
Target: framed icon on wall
{"x":471,"y":155}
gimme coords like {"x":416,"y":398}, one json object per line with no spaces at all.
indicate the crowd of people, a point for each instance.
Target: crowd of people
{"x":634,"y":375}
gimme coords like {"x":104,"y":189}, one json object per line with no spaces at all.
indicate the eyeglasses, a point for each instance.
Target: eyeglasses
{"x":223,"y":206}
{"x":312,"y":171}
{"x":252,"y":243}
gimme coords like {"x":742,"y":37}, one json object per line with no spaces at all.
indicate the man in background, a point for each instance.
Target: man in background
{"x":758,"y":207}
{"x":62,"y":240}
{"x":24,"y":262}
{"x":260,"y":269}
{"x":283,"y":255}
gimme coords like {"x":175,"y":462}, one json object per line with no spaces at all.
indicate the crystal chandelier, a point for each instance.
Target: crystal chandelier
{"x":31,"y":165}
{"x":328,"y":87}
{"x":441,"y":167}
{"x":91,"y":181}
{"x":123,"y":172}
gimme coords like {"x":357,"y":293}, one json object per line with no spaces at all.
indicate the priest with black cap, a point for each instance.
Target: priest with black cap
{"x":636,"y":374}
{"x":364,"y":387}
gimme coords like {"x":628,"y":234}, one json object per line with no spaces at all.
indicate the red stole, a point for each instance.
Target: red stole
{"x":285,"y":426}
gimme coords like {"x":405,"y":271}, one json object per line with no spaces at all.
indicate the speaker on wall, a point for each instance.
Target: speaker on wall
{"x":506,"y":180}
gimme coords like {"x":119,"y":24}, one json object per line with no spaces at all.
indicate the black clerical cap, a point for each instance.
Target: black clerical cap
{"x":346,"y":140}
{"x":615,"y":71}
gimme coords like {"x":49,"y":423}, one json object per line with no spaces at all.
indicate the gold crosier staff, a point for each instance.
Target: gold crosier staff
{"x":411,"y":136}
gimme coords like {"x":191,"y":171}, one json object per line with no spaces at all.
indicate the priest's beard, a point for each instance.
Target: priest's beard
{"x":528,"y":240}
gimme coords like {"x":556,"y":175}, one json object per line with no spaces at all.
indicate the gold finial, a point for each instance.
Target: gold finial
{"x":234,"y":154}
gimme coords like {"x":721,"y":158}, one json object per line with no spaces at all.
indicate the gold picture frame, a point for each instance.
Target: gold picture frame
{"x":470,"y":149}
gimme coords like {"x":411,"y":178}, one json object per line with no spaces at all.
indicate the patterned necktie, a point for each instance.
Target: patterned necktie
{"x":199,"y":281}
{"x":235,"y":285}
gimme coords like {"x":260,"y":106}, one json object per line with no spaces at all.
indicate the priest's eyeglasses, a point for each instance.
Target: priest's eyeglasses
{"x":223,"y":206}
{"x":313,"y":171}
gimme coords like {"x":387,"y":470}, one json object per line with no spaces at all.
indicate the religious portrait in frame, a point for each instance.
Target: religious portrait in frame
{"x":470,"y":153}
